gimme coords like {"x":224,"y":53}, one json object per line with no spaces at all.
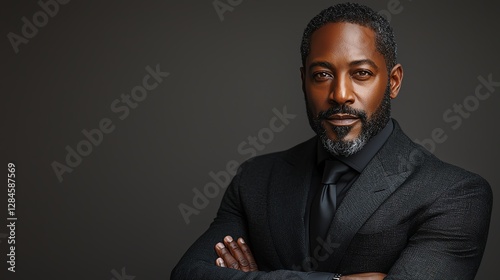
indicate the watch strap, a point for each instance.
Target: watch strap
{"x":336,"y":276}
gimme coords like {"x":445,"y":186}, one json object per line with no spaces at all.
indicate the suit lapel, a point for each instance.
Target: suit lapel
{"x":287,"y":200}
{"x":381,"y":177}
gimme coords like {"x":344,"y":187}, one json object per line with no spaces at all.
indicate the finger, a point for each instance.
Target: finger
{"x":252,"y":265}
{"x":220,"y":262}
{"x":235,"y":249}
{"x":226,"y":256}
{"x":218,"y":248}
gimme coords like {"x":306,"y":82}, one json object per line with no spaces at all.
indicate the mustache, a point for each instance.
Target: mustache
{"x":342,"y":109}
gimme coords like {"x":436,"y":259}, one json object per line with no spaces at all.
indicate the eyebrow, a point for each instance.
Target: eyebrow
{"x":320,"y":63}
{"x":353,"y":63}
{"x":364,"y":61}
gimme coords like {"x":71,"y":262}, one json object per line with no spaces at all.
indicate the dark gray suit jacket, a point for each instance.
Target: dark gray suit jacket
{"x":409,"y":215}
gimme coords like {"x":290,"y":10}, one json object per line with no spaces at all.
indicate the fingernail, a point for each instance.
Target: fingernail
{"x":228,"y":239}
{"x":242,"y":241}
{"x":220,"y":262}
{"x":220,"y":245}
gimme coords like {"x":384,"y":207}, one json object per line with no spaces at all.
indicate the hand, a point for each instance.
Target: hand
{"x":365,"y":276}
{"x":238,"y":256}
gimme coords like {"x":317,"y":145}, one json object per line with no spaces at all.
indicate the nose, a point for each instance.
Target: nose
{"x":341,"y":91}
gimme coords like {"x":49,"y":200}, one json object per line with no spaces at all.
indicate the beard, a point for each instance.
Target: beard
{"x":369,"y":126}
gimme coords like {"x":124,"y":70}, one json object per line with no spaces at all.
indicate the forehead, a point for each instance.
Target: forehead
{"x":343,"y":40}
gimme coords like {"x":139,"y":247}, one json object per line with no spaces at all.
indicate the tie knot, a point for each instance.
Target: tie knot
{"x":334,"y":169}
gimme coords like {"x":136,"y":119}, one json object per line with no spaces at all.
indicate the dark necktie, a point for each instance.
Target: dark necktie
{"x":325,"y":201}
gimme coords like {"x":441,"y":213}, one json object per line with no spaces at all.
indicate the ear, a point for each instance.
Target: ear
{"x":303,"y":78}
{"x":396,"y":80}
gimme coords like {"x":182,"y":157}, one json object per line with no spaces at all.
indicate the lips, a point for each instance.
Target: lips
{"x":342,"y":119}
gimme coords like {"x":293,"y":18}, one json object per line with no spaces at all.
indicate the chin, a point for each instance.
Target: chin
{"x":351,"y":135}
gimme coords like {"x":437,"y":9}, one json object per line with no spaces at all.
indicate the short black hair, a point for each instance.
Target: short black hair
{"x":357,"y":14}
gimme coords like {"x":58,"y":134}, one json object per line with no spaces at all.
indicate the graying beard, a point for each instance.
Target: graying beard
{"x":344,"y":148}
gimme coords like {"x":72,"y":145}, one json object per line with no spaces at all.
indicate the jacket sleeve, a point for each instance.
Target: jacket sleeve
{"x":451,"y":239}
{"x":198,"y":263}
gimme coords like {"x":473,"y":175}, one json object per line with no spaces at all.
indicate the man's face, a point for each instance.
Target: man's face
{"x":347,"y":86}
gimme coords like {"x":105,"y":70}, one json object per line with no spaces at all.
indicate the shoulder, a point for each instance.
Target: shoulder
{"x":305,"y":148}
{"x":300,"y":154}
{"x":431,"y":171}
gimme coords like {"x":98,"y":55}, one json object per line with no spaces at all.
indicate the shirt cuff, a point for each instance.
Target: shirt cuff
{"x":319,"y":276}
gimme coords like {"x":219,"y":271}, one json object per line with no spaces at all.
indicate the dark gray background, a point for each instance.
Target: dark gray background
{"x":119,"y":207}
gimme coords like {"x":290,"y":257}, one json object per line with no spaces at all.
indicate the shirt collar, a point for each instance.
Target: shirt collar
{"x":359,"y":160}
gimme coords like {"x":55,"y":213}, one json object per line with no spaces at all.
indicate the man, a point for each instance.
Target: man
{"x":391,"y":210}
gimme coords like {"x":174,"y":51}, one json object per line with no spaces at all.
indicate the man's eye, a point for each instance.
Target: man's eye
{"x":363,"y":74}
{"x":322,"y":76}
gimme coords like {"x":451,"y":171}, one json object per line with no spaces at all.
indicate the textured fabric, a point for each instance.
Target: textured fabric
{"x":408,"y":215}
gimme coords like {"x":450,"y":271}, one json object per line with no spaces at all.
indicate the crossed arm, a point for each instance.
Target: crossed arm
{"x":237,"y":255}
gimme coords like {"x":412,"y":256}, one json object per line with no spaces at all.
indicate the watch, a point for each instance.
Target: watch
{"x":336,"y":276}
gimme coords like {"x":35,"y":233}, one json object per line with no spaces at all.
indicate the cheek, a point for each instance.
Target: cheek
{"x":315,"y":105}
{"x":317,"y":99}
{"x":370,"y":97}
